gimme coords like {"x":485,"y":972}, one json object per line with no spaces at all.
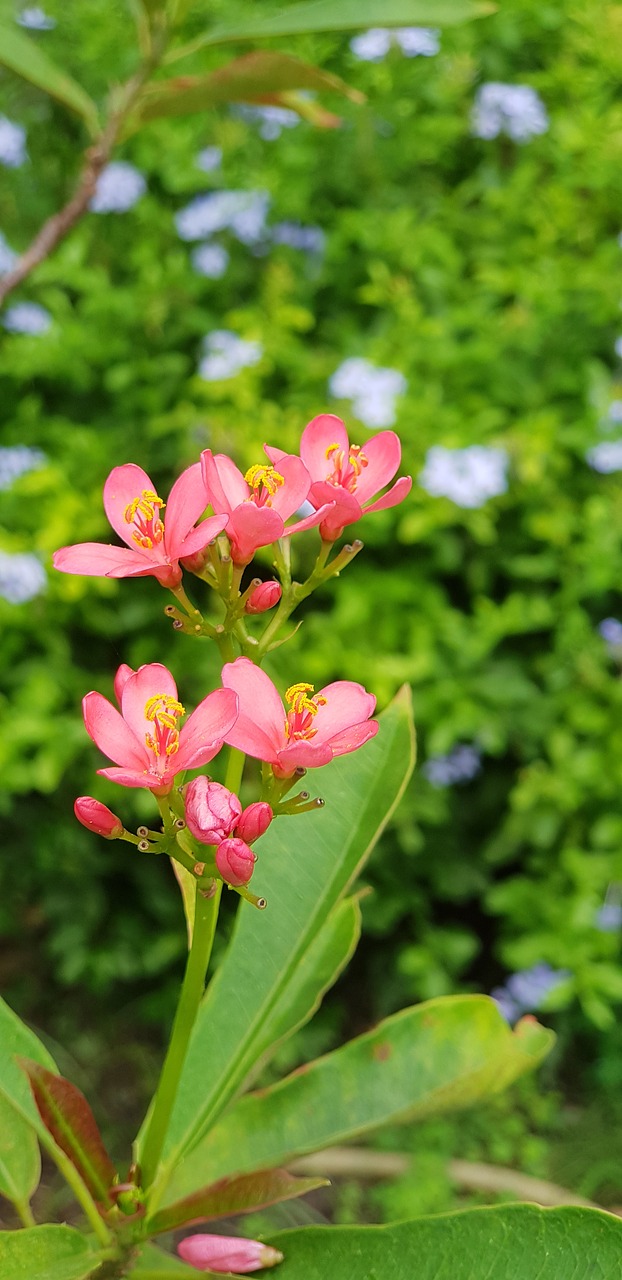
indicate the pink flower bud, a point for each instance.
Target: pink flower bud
{"x":255,"y":819}
{"x":235,"y":861}
{"x":211,"y":810}
{"x":264,"y":597}
{"x":96,"y":817}
{"x":227,"y":1253}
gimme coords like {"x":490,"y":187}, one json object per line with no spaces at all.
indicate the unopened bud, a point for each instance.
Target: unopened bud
{"x":96,"y":817}
{"x":212,"y":811}
{"x":263,"y":597}
{"x":255,"y":819}
{"x":235,"y":861}
{"x":197,"y":561}
{"x":227,"y":1253}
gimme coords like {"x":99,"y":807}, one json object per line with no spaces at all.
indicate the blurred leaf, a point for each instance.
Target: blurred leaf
{"x":154,"y":1264}
{"x":20,"y":1165}
{"x":230,"y":1196}
{"x":20,"y":54}
{"x":67,"y":1115}
{"x":46,"y":1253}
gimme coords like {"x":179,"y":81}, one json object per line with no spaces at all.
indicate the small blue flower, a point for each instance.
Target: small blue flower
{"x":17,"y":460}
{"x":118,"y":188}
{"x":513,"y":109}
{"x":210,"y":260}
{"x":27,"y":317}
{"x":22,"y":577}
{"x":226,"y":354}
{"x":461,"y":765}
{"x":468,"y":477}
{"x":605,"y":457}
{"x":13,"y":152}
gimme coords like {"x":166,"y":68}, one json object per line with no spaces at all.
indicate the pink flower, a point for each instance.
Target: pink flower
{"x":235,"y":861}
{"x":154,"y":545}
{"x":310,"y":732}
{"x":96,"y":816}
{"x":143,"y":739}
{"x":212,"y":811}
{"x":263,"y":597}
{"x":227,"y":1253}
{"x":347,"y":474}
{"x":254,"y":821}
{"x":258,"y":503}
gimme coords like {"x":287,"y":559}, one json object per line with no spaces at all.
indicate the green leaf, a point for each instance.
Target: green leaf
{"x":233,"y":1195}
{"x":20,"y":1166}
{"x":342,"y":15}
{"x":512,"y":1242}
{"x":188,"y":887}
{"x":256,"y":77}
{"x":20,"y":54}
{"x":67,"y":1115}
{"x":306,"y":865}
{"x":154,"y":1264}
{"x":46,"y":1253}
{"x":438,"y":1056}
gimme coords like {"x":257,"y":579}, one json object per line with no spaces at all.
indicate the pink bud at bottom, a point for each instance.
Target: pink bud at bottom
{"x":263,"y":597}
{"x":254,"y":821}
{"x":96,"y":817}
{"x":211,"y":810}
{"x":227,"y":1253}
{"x":235,"y":861}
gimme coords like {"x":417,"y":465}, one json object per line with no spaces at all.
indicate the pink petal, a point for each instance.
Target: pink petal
{"x":149,"y":681}
{"x":260,"y":727}
{"x":101,"y":560}
{"x":309,"y":522}
{"x":123,"y":485}
{"x":225,"y":484}
{"x":251,"y":527}
{"x":356,"y":736}
{"x":293,"y":493}
{"x":347,"y":704}
{"x":204,"y":732}
{"x":275,"y":454}
{"x":304,"y":755}
{"x":400,"y":490}
{"x":322,"y":432}
{"x":186,"y":503}
{"x":384,"y":454}
{"x":133,"y":778}
{"x":111,"y":734}
{"x":123,"y":674}
{"x":204,"y":533}
{"x":345,"y":509}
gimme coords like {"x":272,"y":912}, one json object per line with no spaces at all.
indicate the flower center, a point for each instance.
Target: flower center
{"x":163,"y":711}
{"x":144,"y":513}
{"x":346,"y":467}
{"x":299,"y":721}
{"x":264,"y":482}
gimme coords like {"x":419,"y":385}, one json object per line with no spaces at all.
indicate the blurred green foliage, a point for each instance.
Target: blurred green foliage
{"x":488,"y":273}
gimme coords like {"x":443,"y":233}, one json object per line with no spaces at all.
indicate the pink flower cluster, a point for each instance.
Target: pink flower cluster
{"x":214,"y":816}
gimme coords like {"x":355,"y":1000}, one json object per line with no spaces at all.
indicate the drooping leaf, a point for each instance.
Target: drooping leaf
{"x":67,"y":1116}
{"x":233,"y":1195}
{"x":20,"y":54}
{"x":20,"y":1165}
{"x":306,"y":865}
{"x":256,"y":77}
{"x":511,"y":1242}
{"x":46,"y":1253}
{"x":438,"y":1056}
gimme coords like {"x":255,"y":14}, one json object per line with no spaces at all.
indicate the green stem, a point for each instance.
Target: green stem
{"x":205,"y":916}
{"x":79,"y":1188}
{"x":235,"y":769}
{"x":25,"y":1213}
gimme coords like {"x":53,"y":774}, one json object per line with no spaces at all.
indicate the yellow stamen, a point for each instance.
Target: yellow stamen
{"x":297,"y":698}
{"x":164,"y":711}
{"x":144,"y":510}
{"x":269,"y":477}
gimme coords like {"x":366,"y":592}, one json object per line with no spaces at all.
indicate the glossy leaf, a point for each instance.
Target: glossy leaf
{"x":256,"y":77}
{"x":67,"y":1116}
{"x":511,"y":1242}
{"x":20,"y":1165}
{"x":20,"y":54}
{"x":46,"y":1253}
{"x":438,"y":1056}
{"x":306,"y":864}
{"x":233,"y":1195}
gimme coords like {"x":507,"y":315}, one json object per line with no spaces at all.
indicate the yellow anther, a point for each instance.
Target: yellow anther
{"x":332,"y":448}
{"x":269,"y":477}
{"x":299,"y":702}
{"x":147,"y":504}
{"x":165,"y":708}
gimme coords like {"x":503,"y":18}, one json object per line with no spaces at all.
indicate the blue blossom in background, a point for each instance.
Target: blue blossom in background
{"x":460,"y":765}
{"x":611,"y":631}
{"x":606,"y":456}
{"x":374,"y":45}
{"x":209,"y":158}
{"x":271,"y":120}
{"x":225,"y":354}
{"x":118,"y":188}
{"x":513,"y":109}
{"x":614,"y":412}
{"x":297,"y":236}
{"x":618,"y":348}
{"x":372,"y":390}
{"x":13,"y":152}
{"x":468,"y":476}
{"x":8,"y":257}
{"x":16,"y":460}
{"x":241,"y":212}
{"x":34,"y":19}
{"x":526,"y":991}
{"x":609,"y":917}
{"x":22,"y":577}
{"x":210,"y":260}
{"x":27,"y":317}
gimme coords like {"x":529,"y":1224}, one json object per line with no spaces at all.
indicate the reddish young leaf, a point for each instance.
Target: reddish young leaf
{"x":66,"y":1114}
{"x":233,"y":1195}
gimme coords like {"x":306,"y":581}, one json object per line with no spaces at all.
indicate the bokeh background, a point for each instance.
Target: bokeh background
{"x":447,"y":262}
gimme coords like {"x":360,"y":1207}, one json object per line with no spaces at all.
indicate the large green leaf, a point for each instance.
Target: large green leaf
{"x":231,"y":1196}
{"x":154,"y":1264}
{"x":305,"y":866}
{"x":438,"y":1056}
{"x":26,"y":59}
{"x":20,"y":1166}
{"x":512,"y":1242}
{"x":46,"y":1253}
{"x":67,"y":1116}
{"x":252,"y":78}
{"x":341,"y":15}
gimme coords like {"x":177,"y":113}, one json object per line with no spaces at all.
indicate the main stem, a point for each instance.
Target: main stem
{"x":205,"y":916}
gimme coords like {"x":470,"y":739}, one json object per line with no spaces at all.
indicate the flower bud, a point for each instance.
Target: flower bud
{"x":255,"y":819}
{"x":211,"y":810}
{"x":227,"y":1253}
{"x":96,"y":817}
{"x":235,"y":861}
{"x":263,"y":597}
